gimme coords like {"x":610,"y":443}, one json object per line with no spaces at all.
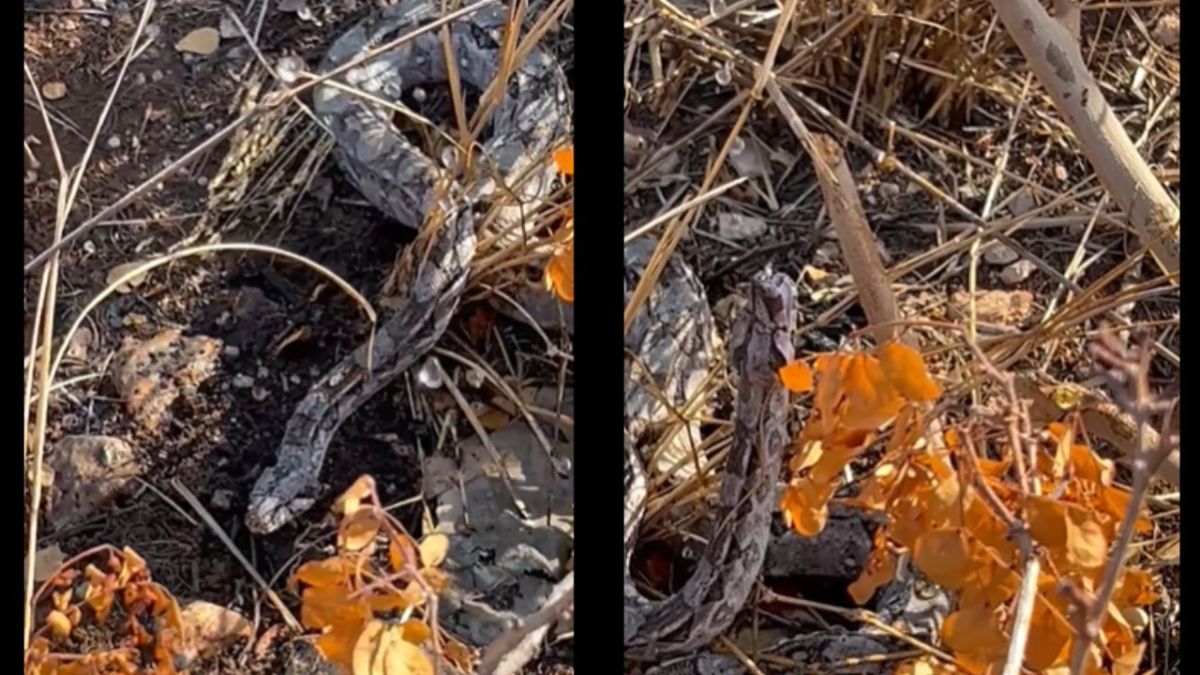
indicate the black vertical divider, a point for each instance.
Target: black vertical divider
{"x":599,"y":338}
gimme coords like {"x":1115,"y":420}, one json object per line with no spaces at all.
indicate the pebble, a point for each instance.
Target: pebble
{"x":222,"y":500}
{"x":243,"y":381}
{"x":1017,"y":272}
{"x":1000,"y":254}
{"x":889,"y":190}
{"x":232,"y":351}
{"x":157,"y":76}
{"x":114,"y":141}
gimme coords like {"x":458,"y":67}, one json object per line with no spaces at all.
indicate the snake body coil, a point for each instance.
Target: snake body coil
{"x":408,"y":185}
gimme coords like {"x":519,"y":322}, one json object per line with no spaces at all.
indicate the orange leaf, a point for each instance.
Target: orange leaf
{"x":59,"y":624}
{"x":974,"y":632}
{"x":403,"y":553}
{"x":433,"y":549}
{"x":870,"y":398}
{"x":944,"y":555}
{"x":905,"y":368}
{"x":831,"y":371}
{"x":359,"y":530}
{"x":322,"y":607}
{"x":405,"y":658}
{"x":560,"y":273}
{"x":1136,"y":587}
{"x":415,"y":631}
{"x":1067,"y":530}
{"x":337,"y":645}
{"x":1049,"y":639}
{"x":564,"y":158}
{"x":325,"y":573}
{"x":803,"y":506}
{"x":350,"y":501}
{"x":879,"y":570}
{"x":797,"y":377}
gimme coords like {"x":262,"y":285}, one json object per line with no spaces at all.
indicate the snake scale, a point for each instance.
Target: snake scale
{"x":409,"y":185}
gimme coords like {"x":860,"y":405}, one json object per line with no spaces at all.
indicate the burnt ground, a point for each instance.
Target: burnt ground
{"x":282,"y":326}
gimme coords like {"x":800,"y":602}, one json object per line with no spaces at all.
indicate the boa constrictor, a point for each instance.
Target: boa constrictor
{"x":669,"y":348}
{"x":405,"y":183}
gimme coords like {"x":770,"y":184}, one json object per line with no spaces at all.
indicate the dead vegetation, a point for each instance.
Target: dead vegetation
{"x":923,"y":173}
{"x":194,"y":261}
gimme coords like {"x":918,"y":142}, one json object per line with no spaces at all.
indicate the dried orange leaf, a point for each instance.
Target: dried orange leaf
{"x":871,"y":400}
{"x":803,"y":505}
{"x":415,"y":631}
{"x":797,"y":377}
{"x":324,"y":573}
{"x":1136,"y":587}
{"x":879,"y":570}
{"x":433,"y":549}
{"x":564,"y":159}
{"x":974,"y":632}
{"x":1049,"y":639}
{"x":1067,"y":530}
{"x":906,"y":370}
{"x":359,"y":531}
{"x":944,"y":555}
{"x":352,"y":499}
{"x":367,"y":657}
{"x":560,"y":273}
{"x":402,"y":553}
{"x":58,"y":623}
{"x":404,"y":658}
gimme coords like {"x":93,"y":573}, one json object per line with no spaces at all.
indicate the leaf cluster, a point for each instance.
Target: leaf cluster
{"x":105,"y":592}
{"x":956,"y":504}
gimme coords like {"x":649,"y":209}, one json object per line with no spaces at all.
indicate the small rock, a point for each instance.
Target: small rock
{"x":227,"y":28}
{"x":221,"y":500}
{"x":430,"y":373}
{"x":47,"y":561}
{"x":202,"y":41}
{"x":1022,"y":203}
{"x":231,"y":352}
{"x":121,"y":270}
{"x":1000,"y":254}
{"x":889,"y":190}
{"x":737,"y":226}
{"x":89,"y":473}
{"x":81,"y":341}
{"x":157,"y":76}
{"x":140,"y":79}
{"x":54,"y":90}
{"x":243,"y":381}
{"x":114,"y":142}
{"x":1017,"y":272}
{"x":259,"y":394}
{"x":1006,"y":308}
{"x":1166,"y":31}
{"x":210,"y":628}
{"x":150,"y":375}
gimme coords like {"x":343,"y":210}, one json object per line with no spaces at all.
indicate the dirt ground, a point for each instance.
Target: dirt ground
{"x":280,"y":325}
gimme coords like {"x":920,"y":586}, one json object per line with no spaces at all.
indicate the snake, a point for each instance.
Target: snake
{"x":669,"y":351}
{"x":411,"y":186}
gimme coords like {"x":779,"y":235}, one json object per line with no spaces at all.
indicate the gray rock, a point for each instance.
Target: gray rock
{"x":89,"y":473}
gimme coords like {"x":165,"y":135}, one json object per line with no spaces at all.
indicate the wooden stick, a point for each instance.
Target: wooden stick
{"x":1054,"y":57}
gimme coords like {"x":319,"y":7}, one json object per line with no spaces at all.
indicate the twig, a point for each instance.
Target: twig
{"x":1130,"y":368}
{"x":1054,"y":56}
{"x":190,"y":498}
{"x":517,"y":646}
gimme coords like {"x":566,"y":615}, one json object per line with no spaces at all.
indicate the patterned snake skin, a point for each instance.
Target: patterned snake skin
{"x":672,"y":341}
{"x":408,"y":185}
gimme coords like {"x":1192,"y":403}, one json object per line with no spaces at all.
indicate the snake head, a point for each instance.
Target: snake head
{"x":763,"y":336}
